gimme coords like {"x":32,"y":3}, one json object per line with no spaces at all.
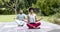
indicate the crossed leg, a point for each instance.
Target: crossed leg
{"x":33,"y":25}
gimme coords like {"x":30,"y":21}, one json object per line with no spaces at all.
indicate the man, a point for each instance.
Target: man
{"x":20,"y":19}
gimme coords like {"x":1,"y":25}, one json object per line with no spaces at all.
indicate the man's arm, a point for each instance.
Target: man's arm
{"x":25,"y":18}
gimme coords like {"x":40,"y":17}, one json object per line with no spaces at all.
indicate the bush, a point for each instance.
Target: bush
{"x":57,"y":20}
{"x":25,"y":11}
{"x":46,"y":6}
{"x":7,"y":11}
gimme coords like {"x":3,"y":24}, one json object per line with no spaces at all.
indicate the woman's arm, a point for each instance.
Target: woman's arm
{"x":35,"y":18}
{"x":38,"y":19}
{"x":27,"y":18}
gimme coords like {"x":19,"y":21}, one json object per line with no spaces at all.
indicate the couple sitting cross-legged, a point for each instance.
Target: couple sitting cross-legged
{"x":30,"y":20}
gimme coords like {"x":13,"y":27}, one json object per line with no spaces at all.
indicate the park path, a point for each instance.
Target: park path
{"x":45,"y":27}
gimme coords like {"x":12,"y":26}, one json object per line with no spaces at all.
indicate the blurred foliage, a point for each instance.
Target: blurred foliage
{"x":13,"y":6}
{"x":57,"y":18}
{"x":46,"y":7}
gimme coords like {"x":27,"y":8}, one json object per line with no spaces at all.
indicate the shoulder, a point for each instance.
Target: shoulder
{"x":18,"y":15}
{"x":24,"y":14}
{"x":28,"y":15}
{"x":34,"y":14}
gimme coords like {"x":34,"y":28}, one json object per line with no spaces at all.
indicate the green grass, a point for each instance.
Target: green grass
{"x":10,"y":18}
{"x":7,"y":18}
{"x":48,"y":18}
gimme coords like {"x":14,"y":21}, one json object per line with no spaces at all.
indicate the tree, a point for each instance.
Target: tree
{"x":13,"y":5}
{"x":48,"y":7}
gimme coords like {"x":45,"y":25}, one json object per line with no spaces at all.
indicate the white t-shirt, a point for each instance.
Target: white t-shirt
{"x":31,"y":18}
{"x":21,"y":16}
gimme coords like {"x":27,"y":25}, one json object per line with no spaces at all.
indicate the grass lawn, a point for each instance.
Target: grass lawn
{"x":48,"y":18}
{"x":7,"y":18}
{"x":10,"y":18}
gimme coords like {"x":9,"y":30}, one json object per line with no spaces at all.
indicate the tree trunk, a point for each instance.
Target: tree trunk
{"x":15,"y":11}
{"x":16,"y":4}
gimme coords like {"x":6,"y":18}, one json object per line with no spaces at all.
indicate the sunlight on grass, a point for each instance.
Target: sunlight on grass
{"x":7,"y":18}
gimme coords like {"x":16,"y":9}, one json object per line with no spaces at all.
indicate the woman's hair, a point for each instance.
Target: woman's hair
{"x":31,"y":9}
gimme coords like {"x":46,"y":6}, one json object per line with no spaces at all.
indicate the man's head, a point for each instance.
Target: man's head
{"x":21,"y":11}
{"x":31,"y":10}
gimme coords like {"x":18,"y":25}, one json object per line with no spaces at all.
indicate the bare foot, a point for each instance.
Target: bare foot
{"x":34,"y":27}
{"x":37,"y":27}
{"x":20,"y":25}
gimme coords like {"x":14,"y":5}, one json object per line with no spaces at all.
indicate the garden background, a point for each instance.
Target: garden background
{"x":48,"y":9}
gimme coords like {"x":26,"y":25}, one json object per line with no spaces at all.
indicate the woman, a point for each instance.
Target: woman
{"x":32,"y":20}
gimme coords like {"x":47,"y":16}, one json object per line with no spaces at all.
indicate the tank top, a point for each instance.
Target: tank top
{"x":32,"y":18}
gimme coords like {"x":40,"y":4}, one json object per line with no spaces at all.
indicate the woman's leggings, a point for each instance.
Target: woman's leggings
{"x":30,"y":25}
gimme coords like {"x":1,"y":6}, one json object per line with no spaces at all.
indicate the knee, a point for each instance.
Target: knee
{"x":38,"y":23}
{"x":27,"y":24}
